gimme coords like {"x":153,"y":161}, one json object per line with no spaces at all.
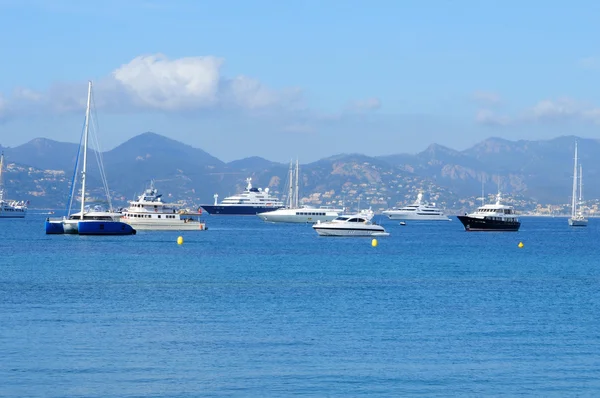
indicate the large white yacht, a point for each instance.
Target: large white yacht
{"x":417,"y":211}
{"x":492,"y":217}
{"x":250,"y":202}
{"x":351,"y":225}
{"x":10,"y":208}
{"x":149,"y":212}
{"x":294,"y":213}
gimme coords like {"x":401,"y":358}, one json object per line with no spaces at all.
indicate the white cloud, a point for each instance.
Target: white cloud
{"x":488,"y":117}
{"x":544,"y":112}
{"x":366,"y":105}
{"x":3,"y":109}
{"x":157,"y":83}
{"x":486,"y":98}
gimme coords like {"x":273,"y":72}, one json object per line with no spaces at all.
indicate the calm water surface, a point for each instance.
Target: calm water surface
{"x":254,"y":309}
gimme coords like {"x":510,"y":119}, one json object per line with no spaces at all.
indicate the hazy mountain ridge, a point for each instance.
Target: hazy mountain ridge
{"x":41,"y":170}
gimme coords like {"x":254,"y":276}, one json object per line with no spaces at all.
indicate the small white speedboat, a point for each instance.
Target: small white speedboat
{"x":353,"y":225}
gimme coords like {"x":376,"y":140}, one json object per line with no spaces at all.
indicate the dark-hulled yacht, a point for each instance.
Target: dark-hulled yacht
{"x":492,"y":217}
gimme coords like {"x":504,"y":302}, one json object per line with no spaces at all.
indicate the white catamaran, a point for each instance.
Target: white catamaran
{"x":89,"y":221}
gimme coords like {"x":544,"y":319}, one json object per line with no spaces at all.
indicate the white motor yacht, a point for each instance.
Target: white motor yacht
{"x":149,"y":212}
{"x":353,"y":225}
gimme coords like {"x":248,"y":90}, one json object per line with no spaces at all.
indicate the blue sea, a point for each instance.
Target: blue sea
{"x":252,"y":309}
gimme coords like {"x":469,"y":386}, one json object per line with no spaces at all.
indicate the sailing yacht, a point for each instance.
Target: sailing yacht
{"x":577,"y":219}
{"x":89,"y":220}
{"x":294,"y":213}
{"x":10,"y":208}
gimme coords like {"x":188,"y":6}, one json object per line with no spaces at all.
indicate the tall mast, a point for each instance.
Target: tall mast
{"x":574,"y":195}
{"x":296,"y":196}
{"x":291,"y":192}
{"x":85,"y":143}
{"x":1,"y":168}
{"x":580,"y":184}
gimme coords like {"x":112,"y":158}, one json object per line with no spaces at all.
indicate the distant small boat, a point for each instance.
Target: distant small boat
{"x":10,"y":208}
{"x":402,"y":223}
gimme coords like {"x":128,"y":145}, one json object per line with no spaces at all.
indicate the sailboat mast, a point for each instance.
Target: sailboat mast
{"x":296,"y":196}
{"x":580,"y":184}
{"x":1,"y":168}
{"x":85,"y":143}
{"x":574,"y":195}
{"x":291,"y":192}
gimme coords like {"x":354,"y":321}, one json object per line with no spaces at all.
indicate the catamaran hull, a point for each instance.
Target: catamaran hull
{"x":93,"y":227}
{"x":59,"y":227}
{"x":479,"y":224}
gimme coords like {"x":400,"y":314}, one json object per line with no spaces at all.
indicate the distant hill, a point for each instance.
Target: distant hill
{"x":537,"y":171}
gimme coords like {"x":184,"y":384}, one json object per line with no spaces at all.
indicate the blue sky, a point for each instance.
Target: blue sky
{"x":304,"y":78}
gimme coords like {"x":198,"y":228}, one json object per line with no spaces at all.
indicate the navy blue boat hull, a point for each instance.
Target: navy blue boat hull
{"x":54,"y":228}
{"x":478,"y":224}
{"x":94,"y":227}
{"x":238,"y":210}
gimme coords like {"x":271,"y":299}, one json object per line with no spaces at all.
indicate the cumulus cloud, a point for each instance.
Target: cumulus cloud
{"x":488,"y":117}
{"x":3,"y":109}
{"x":366,"y":105}
{"x":545,"y":111}
{"x":155,"y":82}
{"x":486,"y":98}
{"x":563,"y":109}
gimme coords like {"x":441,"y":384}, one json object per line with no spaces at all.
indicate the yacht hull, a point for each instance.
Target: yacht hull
{"x":222,"y":210}
{"x":102,"y":227}
{"x":414,"y":217}
{"x":577,"y":223}
{"x":298,"y":217}
{"x":345,"y":231}
{"x":161,"y":226}
{"x":480,"y":224}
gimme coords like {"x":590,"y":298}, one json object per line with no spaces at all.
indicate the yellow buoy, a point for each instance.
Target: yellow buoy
{"x":521,"y":245}
{"x":374,"y":243}
{"x":180,"y":240}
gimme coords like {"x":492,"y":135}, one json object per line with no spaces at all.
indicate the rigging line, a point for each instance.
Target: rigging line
{"x":74,"y":179}
{"x":99,"y":158}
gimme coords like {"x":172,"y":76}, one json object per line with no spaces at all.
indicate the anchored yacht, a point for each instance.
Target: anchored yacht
{"x":10,"y":208}
{"x":149,"y":212}
{"x":417,"y":211}
{"x":492,"y":217}
{"x":354,"y":225}
{"x":250,"y":202}
{"x":294,"y":213}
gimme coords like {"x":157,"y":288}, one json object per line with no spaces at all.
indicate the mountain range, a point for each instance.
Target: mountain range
{"x":534,"y":171}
